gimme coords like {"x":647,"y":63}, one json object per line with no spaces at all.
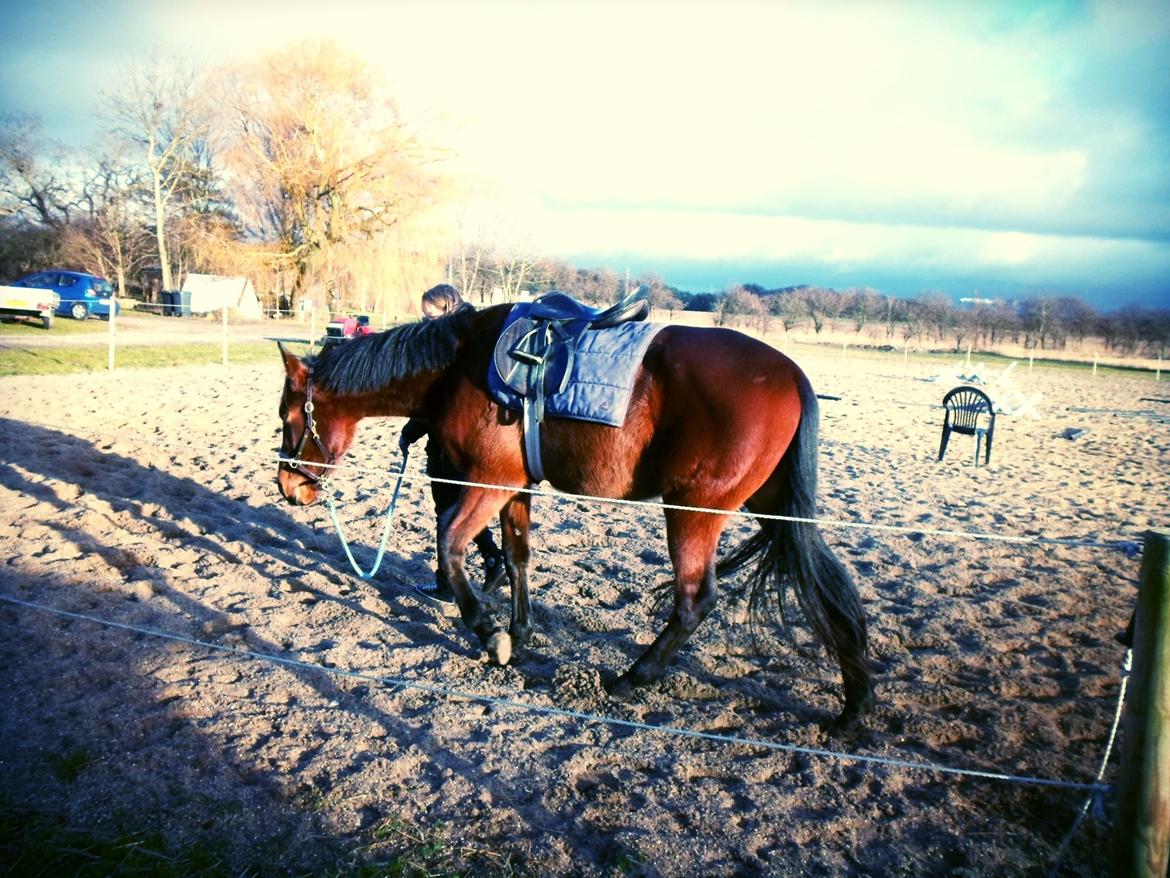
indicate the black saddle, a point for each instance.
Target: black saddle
{"x":559,"y":307}
{"x":534,"y":354}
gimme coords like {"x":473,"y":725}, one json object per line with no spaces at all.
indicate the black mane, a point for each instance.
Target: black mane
{"x":371,"y":362}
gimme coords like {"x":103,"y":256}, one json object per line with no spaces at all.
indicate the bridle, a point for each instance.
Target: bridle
{"x":310,"y":432}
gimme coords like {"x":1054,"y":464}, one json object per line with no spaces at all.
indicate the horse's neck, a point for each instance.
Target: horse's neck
{"x":400,"y":399}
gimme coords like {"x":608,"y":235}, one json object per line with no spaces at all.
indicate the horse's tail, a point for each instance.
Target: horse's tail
{"x":790,"y":552}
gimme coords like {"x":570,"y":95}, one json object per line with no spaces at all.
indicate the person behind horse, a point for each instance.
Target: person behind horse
{"x":437,"y":302}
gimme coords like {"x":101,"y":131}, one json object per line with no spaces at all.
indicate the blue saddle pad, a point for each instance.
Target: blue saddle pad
{"x":601,"y":380}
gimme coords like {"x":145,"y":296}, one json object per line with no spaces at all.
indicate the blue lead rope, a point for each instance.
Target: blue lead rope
{"x":385,"y":530}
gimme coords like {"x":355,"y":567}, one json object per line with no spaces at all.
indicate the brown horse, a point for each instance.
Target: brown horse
{"x":717,"y":420}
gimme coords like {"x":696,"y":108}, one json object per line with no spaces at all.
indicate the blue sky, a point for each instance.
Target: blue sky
{"x":1002,"y":147}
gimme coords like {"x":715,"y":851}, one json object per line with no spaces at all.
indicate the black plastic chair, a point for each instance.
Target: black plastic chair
{"x":969,"y":411}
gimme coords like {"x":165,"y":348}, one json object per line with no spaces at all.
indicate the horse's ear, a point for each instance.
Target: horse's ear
{"x":293,"y":367}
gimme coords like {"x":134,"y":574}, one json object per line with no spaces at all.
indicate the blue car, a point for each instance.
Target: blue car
{"x":81,"y":294}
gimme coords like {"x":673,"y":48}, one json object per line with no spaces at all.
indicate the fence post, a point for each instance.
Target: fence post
{"x":113,"y":318}
{"x":1141,"y":831}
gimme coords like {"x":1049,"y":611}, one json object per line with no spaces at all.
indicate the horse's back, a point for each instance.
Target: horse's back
{"x":729,"y":372}
{"x":725,"y":408}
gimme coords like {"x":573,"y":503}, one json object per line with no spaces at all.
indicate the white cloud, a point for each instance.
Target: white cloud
{"x":674,"y":236}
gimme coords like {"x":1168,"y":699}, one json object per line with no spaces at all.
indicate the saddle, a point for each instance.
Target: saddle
{"x":537,"y":350}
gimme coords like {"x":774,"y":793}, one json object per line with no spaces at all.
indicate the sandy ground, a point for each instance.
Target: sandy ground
{"x":147,"y":499}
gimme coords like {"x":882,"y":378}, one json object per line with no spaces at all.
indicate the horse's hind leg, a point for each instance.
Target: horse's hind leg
{"x":474,"y":511}
{"x":514,"y":524}
{"x":692,"y":539}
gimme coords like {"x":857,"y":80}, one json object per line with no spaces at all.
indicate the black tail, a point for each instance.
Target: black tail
{"x":793,"y":554}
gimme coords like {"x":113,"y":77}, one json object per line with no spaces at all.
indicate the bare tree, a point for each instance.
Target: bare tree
{"x":469,"y":266}
{"x":321,"y":156}
{"x":161,"y":112}
{"x":514,"y":261}
{"x":661,"y":296}
{"x":111,"y":238}
{"x":744,"y":304}
{"x":862,"y":306}
{"x":821,"y":304}
{"x":1035,"y":316}
{"x":37,"y":180}
{"x":788,"y":307}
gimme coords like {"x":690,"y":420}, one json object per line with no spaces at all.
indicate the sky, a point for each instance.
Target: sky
{"x":998,"y":149}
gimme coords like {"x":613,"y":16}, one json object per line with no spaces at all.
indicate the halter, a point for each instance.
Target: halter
{"x":310,"y":432}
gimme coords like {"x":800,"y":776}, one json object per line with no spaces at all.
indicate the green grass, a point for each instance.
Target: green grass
{"x":37,"y":846}
{"x":34,"y":845}
{"x":61,"y":326}
{"x":66,"y":360}
{"x":70,"y":764}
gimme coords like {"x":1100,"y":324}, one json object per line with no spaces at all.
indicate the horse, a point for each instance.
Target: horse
{"x":717,"y":422}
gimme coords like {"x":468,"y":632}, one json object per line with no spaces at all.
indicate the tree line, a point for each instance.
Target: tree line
{"x":1036,"y":323}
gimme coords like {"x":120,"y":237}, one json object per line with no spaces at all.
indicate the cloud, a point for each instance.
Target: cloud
{"x":829,"y":247}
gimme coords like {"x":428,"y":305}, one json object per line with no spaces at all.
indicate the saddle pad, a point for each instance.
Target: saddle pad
{"x":602,"y":377}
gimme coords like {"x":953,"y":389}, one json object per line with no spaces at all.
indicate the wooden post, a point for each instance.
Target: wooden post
{"x":1094,"y":365}
{"x":225,"y":335}
{"x":1141,"y":832}
{"x":113,"y":318}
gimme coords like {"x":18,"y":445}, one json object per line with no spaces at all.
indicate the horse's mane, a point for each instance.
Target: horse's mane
{"x":370,"y":362}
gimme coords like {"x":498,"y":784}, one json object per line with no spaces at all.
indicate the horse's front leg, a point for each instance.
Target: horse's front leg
{"x":692,"y":539}
{"x":474,"y":511}
{"x":514,"y":521}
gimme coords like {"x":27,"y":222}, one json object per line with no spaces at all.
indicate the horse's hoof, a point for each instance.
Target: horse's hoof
{"x":851,"y":722}
{"x":521,"y":635}
{"x":499,"y":647}
{"x":620,"y":688}
{"x":845,"y":727}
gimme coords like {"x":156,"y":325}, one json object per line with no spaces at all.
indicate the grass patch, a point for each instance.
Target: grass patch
{"x":61,"y":326}
{"x":38,"y":846}
{"x":70,"y":764}
{"x":67,"y":360}
{"x":404,"y":850}
{"x":35,"y":845}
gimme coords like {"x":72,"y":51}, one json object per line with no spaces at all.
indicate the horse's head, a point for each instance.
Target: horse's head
{"x":317,"y":432}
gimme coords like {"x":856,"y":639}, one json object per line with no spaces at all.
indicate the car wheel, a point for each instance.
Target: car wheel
{"x":78,"y":311}
{"x":47,"y":321}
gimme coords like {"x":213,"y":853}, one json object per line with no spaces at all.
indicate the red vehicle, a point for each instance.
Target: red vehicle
{"x":349,"y":326}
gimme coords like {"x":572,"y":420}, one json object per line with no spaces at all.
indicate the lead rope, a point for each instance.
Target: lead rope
{"x":327,"y":490}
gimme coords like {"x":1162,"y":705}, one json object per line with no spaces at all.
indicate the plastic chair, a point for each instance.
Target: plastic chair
{"x":969,"y":411}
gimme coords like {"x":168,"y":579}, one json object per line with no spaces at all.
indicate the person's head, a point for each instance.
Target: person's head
{"x":440,"y":300}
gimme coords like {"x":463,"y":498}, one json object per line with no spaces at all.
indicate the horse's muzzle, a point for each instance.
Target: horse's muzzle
{"x":295,"y":488}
